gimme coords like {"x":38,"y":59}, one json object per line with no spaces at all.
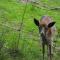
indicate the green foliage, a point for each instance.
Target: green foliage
{"x":24,"y":44}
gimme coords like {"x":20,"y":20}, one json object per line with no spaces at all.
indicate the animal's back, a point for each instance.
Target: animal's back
{"x":45,"y":20}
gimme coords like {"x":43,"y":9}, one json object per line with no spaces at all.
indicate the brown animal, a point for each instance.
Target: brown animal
{"x":46,"y":30}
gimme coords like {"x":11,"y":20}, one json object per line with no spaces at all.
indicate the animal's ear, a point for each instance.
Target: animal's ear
{"x":36,"y":22}
{"x":51,"y":24}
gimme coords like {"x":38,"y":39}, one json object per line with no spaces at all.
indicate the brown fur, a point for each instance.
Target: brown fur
{"x":48,"y":35}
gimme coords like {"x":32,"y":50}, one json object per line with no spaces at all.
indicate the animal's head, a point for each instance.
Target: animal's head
{"x":44,"y":28}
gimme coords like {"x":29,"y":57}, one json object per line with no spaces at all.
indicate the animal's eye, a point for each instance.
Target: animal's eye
{"x":40,"y":28}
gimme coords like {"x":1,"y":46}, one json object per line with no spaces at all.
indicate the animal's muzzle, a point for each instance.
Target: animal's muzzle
{"x":44,"y":40}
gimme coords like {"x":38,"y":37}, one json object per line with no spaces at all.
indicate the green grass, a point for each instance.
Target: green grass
{"x":28,"y":44}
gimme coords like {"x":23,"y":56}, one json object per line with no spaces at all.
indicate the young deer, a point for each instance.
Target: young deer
{"x":46,"y":30}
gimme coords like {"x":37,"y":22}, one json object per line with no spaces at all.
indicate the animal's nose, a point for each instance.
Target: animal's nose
{"x":43,"y":37}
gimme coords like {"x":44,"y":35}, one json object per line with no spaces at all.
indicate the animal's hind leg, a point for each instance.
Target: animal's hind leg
{"x":49,"y":52}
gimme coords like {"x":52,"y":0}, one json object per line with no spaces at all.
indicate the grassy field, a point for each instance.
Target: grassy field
{"x":24,"y":44}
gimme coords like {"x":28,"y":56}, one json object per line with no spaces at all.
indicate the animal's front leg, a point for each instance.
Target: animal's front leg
{"x":43,"y":49}
{"x":49,"y":52}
